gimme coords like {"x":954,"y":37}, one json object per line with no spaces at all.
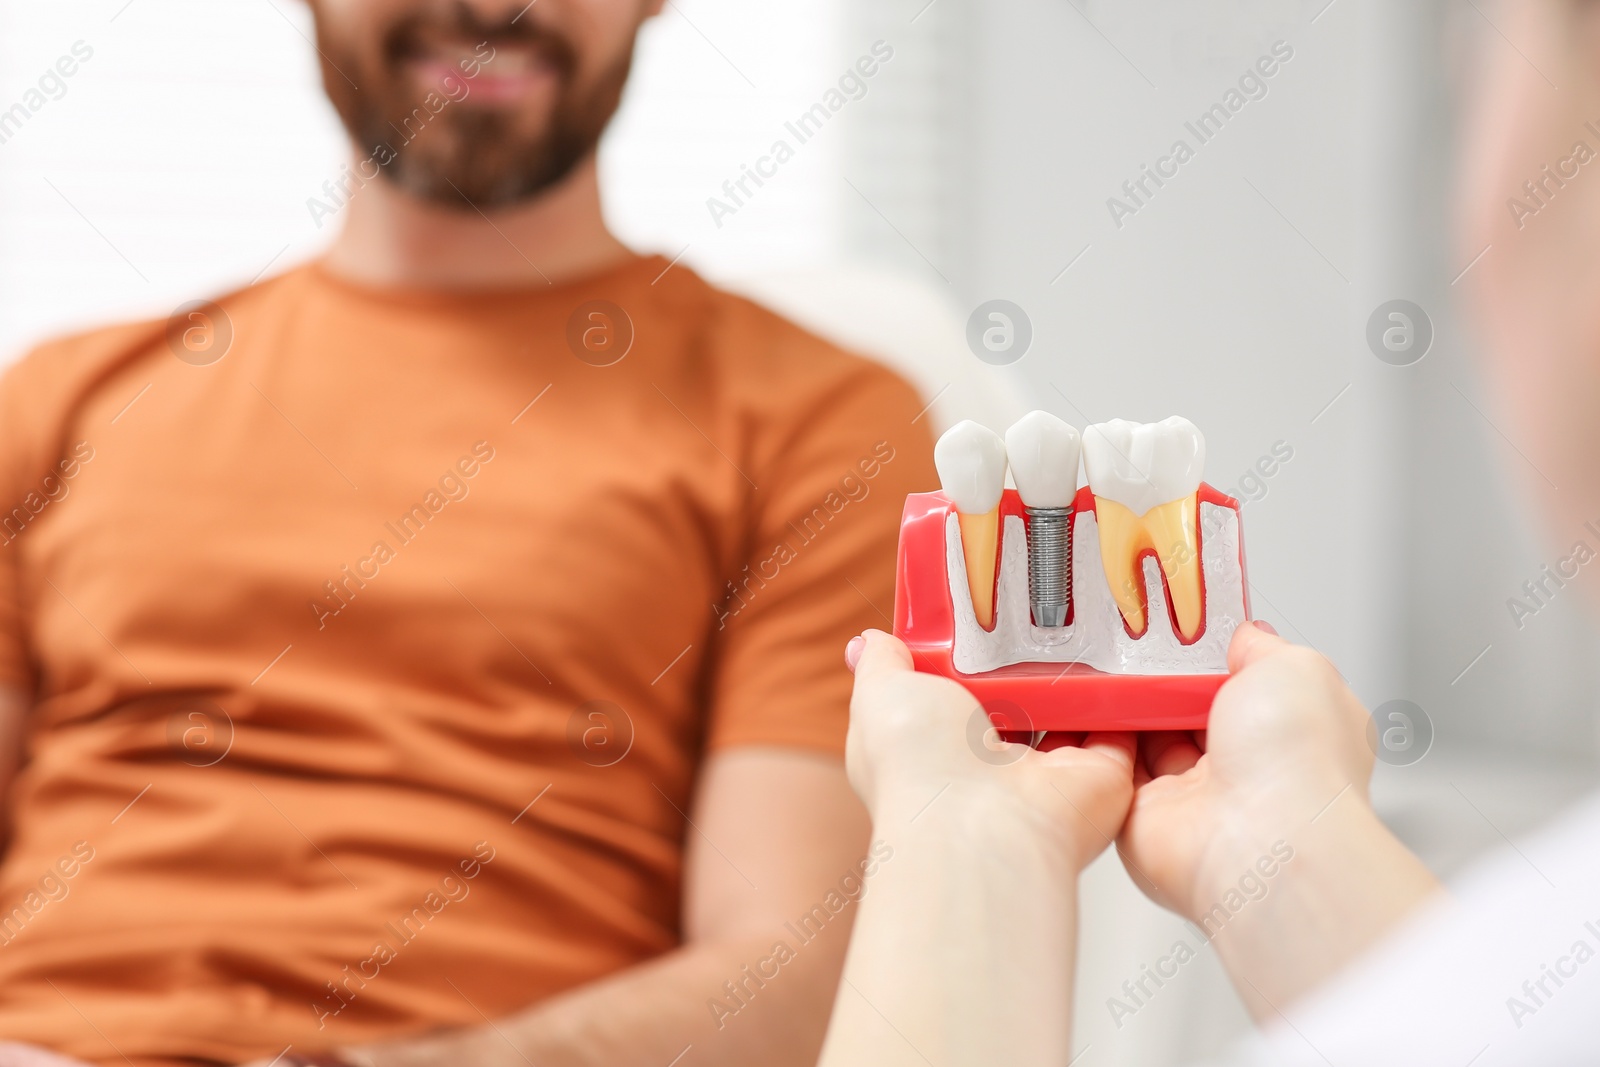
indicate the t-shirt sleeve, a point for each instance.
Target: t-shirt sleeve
{"x":17,"y":460}
{"x":820,"y":567}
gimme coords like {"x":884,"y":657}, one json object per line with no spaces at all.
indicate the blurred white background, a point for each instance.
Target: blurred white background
{"x":179,"y":160}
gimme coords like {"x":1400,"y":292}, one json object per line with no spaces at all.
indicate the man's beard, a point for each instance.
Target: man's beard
{"x":442,"y":147}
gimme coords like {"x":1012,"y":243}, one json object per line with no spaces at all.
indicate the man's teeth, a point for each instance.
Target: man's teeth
{"x":971,"y":460}
{"x":1144,"y":477}
{"x":510,"y":60}
{"x":1044,"y":460}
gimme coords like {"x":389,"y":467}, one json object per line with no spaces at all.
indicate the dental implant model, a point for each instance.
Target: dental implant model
{"x":1043,"y":452}
{"x":1105,"y":606}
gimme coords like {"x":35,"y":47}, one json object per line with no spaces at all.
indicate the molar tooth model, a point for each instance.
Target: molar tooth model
{"x":1108,"y":607}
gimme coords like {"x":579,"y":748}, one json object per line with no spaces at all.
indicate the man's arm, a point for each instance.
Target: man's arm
{"x":14,"y":704}
{"x":772,"y":832}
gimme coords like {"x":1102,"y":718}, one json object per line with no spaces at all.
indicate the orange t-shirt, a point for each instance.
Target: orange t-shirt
{"x":375,"y":659}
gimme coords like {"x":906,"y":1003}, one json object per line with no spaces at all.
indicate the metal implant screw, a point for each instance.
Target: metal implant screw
{"x":1049,"y":564}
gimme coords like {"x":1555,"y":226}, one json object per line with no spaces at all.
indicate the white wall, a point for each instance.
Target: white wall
{"x":176,"y":165}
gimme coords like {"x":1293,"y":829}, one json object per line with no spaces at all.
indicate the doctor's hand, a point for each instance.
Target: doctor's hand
{"x":967,"y":935}
{"x":1262,"y":834}
{"x":920,"y":746}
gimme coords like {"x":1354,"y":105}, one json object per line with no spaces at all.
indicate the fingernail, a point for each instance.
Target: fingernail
{"x":852,"y":651}
{"x":1262,"y":624}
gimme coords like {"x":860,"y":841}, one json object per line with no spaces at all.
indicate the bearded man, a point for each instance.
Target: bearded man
{"x":430,"y":655}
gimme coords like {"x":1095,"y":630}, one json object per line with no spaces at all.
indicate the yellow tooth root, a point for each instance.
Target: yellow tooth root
{"x":1170,"y":531}
{"x":980,"y":536}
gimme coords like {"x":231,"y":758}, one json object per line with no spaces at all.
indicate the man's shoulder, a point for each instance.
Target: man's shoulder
{"x":810,"y":405}
{"x":67,"y":357}
{"x":754,"y":347}
{"x":67,"y":363}
{"x":40,"y":390}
